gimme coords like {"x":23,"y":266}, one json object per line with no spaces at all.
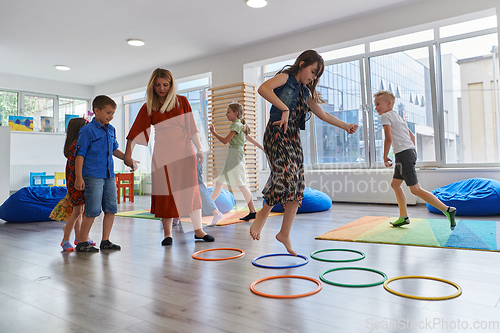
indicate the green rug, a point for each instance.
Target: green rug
{"x":468,"y":234}
{"x":230,"y":217}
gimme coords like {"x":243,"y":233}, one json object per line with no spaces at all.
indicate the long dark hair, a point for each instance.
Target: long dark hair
{"x":74,"y":126}
{"x":309,"y":57}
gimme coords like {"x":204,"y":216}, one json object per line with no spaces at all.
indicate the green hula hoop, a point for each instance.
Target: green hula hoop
{"x":333,"y":260}
{"x":322,"y":277}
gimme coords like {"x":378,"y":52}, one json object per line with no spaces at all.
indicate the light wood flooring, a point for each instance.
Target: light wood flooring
{"x":149,"y":288}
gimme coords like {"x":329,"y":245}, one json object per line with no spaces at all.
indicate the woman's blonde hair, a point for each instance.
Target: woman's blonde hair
{"x":240,"y":113}
{"x":152,"y":102}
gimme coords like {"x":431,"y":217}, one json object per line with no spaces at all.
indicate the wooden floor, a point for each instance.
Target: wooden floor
{"x":150,"y":288}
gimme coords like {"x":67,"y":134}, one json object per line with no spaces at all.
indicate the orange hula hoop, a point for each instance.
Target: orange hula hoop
{"x":195,"y":255}
{"x":255,"y":291}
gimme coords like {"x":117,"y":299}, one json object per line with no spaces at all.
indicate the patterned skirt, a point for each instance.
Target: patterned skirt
{"x":284,"y":152}
{"x":77,"y":197}
{"x":63,"y":210}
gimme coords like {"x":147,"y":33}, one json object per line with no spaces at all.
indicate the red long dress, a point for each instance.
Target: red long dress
{"x":174,"y":177}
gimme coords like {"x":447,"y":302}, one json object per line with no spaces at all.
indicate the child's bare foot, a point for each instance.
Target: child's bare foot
{"x":257,"y":226}
{"x":287,"y":242}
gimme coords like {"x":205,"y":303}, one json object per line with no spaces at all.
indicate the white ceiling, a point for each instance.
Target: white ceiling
{"x":90,"y":35}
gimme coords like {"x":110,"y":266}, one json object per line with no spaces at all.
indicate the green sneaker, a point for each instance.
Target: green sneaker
{"x":450,"y":214}
{"x":400,"y":222}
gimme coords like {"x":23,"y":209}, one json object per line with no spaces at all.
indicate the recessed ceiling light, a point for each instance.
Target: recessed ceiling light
{"x":256,"y":3}
{"x":62,"y":68}
{"x":135,"y":42}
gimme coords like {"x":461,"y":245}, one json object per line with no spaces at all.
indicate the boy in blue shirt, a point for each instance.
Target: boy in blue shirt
{"x":94,"y":170}
{"x":398,"y":135}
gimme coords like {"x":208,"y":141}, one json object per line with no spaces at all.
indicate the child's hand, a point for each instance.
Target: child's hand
{"x":351,"y":128}
{"x":131,"y":163}
{"x":284,"y":120}
{"x":135,"y":166}
{"x":387,"y":162}
{"x":212,"y":128}
{"x":199,"y":156}
{"x":79,"y":184}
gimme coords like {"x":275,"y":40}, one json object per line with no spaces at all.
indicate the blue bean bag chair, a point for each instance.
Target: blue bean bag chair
{"x":32,"y":204}
{"x":471,"y":197}
{"x":224,"y":202}
{"x":314,"y":201}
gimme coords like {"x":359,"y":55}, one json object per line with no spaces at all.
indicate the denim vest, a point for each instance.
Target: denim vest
{"x":288,"y":94}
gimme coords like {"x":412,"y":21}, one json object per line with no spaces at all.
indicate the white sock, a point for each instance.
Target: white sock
{"x":216,"y":219}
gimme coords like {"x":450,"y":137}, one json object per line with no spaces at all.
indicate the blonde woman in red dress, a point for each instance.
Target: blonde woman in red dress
{"x":175,"y":189}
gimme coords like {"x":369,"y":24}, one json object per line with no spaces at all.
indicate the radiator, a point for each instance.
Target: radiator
{"x":20,"y":174}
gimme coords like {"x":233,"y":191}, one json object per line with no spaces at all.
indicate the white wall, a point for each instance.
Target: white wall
{"x":4,"y":163}
{"x":35,"y":152}
{"x":32,"y":84}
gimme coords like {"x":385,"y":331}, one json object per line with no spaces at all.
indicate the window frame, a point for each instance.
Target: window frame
{"x":21,"y":94}
{"x":436,"y":86}
{"x":440,"y":93}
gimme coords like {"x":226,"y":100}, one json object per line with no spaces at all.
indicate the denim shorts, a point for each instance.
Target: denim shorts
{"x":404,"y":167}
{"x":100,"y":192}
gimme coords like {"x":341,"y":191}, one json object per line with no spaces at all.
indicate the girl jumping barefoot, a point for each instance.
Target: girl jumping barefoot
{"x":292,"y":93}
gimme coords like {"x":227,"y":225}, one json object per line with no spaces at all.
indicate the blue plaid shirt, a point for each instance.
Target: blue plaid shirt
{"x":96,"y":143}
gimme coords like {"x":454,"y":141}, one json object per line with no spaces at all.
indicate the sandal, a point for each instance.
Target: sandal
{"x":107,"y":245}
{"x":89,"y":240}
{"x":86,"y":247}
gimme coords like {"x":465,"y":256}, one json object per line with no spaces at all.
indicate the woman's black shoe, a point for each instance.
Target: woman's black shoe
{"x":206,"y":238}
{"x":167,"y":241}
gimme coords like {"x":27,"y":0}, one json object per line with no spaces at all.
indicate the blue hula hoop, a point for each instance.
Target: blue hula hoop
{"x":254,"y":261}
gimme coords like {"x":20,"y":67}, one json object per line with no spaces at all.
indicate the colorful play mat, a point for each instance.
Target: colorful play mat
{"x":468,"y":234}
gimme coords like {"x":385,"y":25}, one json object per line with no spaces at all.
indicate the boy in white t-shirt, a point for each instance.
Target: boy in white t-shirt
{"x":402,"y":139}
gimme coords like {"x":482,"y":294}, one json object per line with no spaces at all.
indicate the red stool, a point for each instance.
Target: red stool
{"x":125,"y":181}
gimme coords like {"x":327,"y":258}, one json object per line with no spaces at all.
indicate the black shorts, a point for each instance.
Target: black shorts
{"x":404,"y":166}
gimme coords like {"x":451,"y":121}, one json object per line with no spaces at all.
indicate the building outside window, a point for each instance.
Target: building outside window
{"x":446,"y":84}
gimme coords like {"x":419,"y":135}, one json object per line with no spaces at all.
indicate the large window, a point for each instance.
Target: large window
{"x":42,"y":110}
{"x":446,"y":83}
{"x":132,"y":103}
{"x":70,"y":108}
{"x":340,"y":87}
{"x":407,"y":75}
{"x":50,"y":113}
{"x":470,"y":100}
{"x":8,"y":106}
{"x":198,"y":101}
{"x":196,"y":92}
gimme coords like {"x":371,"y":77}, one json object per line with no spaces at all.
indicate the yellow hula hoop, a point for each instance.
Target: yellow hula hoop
{"x":440,"y":298}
